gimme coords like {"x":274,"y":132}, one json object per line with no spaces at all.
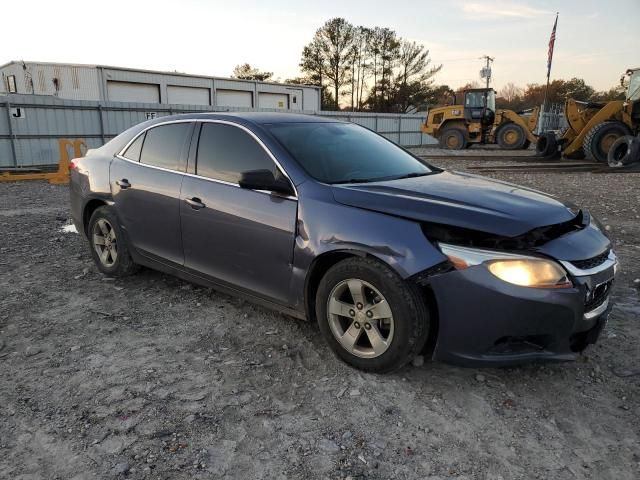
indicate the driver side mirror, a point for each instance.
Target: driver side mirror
{"x":265,"y":180}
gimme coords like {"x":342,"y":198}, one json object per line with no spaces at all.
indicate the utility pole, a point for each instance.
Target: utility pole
{"x":486,"y":71}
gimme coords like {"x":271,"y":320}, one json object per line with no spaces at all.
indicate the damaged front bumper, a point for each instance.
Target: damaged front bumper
{"x":486,"y":321}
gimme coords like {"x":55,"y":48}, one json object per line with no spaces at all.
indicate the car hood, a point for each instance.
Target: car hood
{"x":461,"y":200}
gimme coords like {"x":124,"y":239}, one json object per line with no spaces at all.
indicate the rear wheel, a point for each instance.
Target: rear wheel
{"x":453,"y":138}
{"x":109,"y":247}
{"x":511,"y":136}
{"x":370,"y":317}
{"x":601,"y":137}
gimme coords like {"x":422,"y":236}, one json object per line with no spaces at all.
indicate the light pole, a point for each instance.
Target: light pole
{"x":486,"y":71}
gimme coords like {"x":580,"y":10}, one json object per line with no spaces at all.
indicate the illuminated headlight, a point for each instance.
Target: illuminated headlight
{"x":519,"y":270}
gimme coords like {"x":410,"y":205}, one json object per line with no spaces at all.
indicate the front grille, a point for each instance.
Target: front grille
{"x":597,"y":296}
{"x":592,"y":262}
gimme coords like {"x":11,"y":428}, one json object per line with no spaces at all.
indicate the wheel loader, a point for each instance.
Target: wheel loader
{"x":477,"y":121}
{"x":594,"y":127}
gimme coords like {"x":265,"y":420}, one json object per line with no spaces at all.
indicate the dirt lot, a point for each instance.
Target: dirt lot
{"x":152,"y":377}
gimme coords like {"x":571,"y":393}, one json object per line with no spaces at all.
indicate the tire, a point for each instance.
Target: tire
{"x":600,"y":138}
{"x":453,"y":138}
{"x":526,"y":145}
{"x":511,"y":136}
{"x":108,"y":244}
{"x":547,"y":145}
{"x":403,"y":326}
{"x":624,"y":151}
{"x":635,"y":150}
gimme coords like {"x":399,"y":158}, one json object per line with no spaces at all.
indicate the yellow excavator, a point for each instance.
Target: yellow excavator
{"x":477,"y":121}
{"x":595,"y":127}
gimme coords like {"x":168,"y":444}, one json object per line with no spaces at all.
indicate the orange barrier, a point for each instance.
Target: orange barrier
{"x":61,"y":176}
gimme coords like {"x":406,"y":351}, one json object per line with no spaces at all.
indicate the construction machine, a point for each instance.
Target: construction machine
{"x":594,"y":127}
{"x":477,"y":121}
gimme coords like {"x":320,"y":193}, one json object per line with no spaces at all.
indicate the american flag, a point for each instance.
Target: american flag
{"x":552,"y":42}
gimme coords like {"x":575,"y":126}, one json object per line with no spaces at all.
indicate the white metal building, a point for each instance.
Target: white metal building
{"x":103,"y":83}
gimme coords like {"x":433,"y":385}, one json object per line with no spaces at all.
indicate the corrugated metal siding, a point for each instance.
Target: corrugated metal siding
{"x":74,"y":82}
{"x":402,"y":129}
{"x":89,"y":82}
{"x":47,"y":119}
{"x":234,"y":85}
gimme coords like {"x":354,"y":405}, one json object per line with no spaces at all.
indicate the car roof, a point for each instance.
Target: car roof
{"x":254,"y":117}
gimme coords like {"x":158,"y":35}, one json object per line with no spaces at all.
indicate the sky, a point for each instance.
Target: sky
{"x":596,"y":40}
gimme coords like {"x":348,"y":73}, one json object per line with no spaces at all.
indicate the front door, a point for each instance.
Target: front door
{"x":145,"y":183}
{"x":242,"y":237}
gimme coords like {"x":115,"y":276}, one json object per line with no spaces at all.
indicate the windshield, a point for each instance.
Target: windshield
{"x":346,"y":153}
{"x":634,"y":86}
{"x":480,"y":100}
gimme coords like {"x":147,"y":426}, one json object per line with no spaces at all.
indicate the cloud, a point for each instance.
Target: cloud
{"x":501,"y":9}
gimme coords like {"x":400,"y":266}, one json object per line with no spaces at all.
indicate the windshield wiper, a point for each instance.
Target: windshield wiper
{"x":411,"y":175}
{"x":383,"y":179}
{"x":355,"y":180}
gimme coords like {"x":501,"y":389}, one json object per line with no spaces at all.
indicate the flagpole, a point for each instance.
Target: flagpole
{"x":546,"y":91}
{"x":551,"y":45}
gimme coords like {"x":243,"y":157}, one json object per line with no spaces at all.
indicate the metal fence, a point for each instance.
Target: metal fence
{"x":552,"y":119}
{"x":34,"y":129}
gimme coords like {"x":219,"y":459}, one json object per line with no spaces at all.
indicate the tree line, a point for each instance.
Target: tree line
{"x":517,"y":98}
{"x":373,"y":69}
{"x":369,"y":68}
{"x":362,"y":68}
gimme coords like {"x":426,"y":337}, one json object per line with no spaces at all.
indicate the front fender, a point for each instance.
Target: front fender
{"x":398,"y":242}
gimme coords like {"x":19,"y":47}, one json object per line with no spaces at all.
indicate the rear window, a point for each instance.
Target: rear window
{"x":133,"y":152}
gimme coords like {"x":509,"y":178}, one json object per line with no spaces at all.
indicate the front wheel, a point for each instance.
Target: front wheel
{"x":109,"y":247}
{"x":369,"y":316}
{"x":600,"y":138}
{"x":453,"y":138}
{"x":511,"y":136}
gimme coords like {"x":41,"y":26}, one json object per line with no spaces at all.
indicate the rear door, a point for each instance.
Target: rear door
{"x":145,"y":183}
{"x":243,"y":237}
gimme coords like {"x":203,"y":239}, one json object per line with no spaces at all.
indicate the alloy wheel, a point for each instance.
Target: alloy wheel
{"x":104,"y":242}
{"x":360,"y":318}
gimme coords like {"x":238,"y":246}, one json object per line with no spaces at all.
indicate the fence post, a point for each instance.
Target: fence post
{"x":400,"y":129}
{"x":101,"y":123}
{"x":12,"y":138}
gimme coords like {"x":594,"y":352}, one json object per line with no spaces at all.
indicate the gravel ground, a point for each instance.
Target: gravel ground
{"x":153,"y":377}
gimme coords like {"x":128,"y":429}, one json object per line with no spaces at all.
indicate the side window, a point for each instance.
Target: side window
{"x":133,"y":152}
{"x":163,"y":146}
{"x":225,"y":151}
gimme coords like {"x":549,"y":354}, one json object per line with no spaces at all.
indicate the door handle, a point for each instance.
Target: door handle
{"x":195,"y":203}
{"x":123,"y":184}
